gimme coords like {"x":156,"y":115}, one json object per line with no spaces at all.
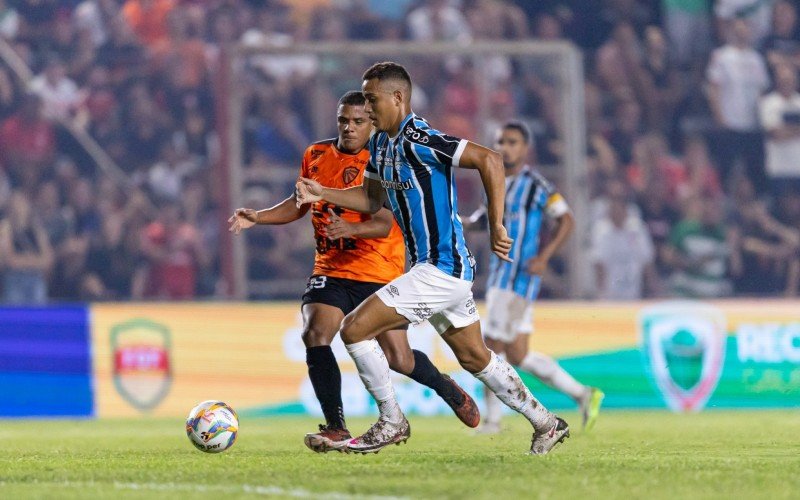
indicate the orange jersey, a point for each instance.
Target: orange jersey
{"x":378,"y":260}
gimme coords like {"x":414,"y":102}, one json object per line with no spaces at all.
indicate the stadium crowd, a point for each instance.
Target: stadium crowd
{"x":692,"y":115}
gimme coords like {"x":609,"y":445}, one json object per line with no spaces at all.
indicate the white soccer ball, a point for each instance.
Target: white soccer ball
{"x":212,"y":426}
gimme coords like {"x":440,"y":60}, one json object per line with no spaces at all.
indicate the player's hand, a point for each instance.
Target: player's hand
{"x":307,"y":191}
{"x":242,"y":218}
{"x":537,"y":265}
{"x":338,"y":227}
{"x":501,"y":243}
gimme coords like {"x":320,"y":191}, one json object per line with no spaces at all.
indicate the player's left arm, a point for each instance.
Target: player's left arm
{"x":490,"y":166}
{"x":378,"y":226}
{"x":565,"y":223}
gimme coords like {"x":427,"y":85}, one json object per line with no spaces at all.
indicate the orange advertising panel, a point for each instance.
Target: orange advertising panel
{"x":164,"y":359}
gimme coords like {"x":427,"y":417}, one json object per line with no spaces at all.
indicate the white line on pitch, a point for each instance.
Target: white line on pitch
{"x":246,"y":488}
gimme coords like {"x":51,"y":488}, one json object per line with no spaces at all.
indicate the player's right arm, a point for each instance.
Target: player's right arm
{"x":282,"y":213}
{"x":490,"y":166}
{"x":367,"y":198}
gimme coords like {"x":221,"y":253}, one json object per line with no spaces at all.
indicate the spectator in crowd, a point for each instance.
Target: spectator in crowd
{"x":438,"y":20}
{"x":25,"y":254}
{"x":662,"y":83}
{"x":627,"y":128}
{"x":659,"y":216}
{"x":174,"y":254}
{"x":167,"y":176}
{"x":702,"y":176}
{"x":622,"y":252}
{"x":55,"y":217}
{"x":755,"y":16}
{"x":618,"y":62}
{"x":61,"y":97}
{"x":652,"y":160}
{"x":770,"y":251}
{"x":688,"y":27}
{"x":782,"y":46}
{"x":27,"y":143}
{"x":148,"y":19}
{"x":786,"y":209}
{"x":737,"y":75}
{"x":9,"y":21}
{"x":703,"y":252}
{"x":780,"y":118}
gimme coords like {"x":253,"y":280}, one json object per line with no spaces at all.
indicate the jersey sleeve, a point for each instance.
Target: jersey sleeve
{"x":553,"y":204}
{"x":433,"y":147}
{"x":371,"y":170}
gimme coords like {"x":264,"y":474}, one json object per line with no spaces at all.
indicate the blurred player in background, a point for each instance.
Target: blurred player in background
{"x":356,"y":255}
{"x":412,"y":165}
{"x":513,"y":286}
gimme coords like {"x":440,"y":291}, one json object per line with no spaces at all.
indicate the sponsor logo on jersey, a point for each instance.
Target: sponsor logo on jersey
{"x":397,"y":185}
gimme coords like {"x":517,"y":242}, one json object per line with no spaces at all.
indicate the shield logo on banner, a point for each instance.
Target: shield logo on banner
{"x":349,"y":174}
{"x":141,"y":360}
{"x":684,"y":348}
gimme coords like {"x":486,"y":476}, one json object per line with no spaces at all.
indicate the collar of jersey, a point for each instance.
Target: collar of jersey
{"x":403,"y":124}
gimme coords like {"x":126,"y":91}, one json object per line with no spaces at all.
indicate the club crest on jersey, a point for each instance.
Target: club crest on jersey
{"x":349,"y":174}
{"x":683,"y":344}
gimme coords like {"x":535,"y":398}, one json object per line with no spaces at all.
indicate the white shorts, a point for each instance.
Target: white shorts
{"x":427,"y":293}
{"x":508,"y":315}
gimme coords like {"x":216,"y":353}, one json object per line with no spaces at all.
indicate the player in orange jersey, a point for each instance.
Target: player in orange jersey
{"x":356,"y":255}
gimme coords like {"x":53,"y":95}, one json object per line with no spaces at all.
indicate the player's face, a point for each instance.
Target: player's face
{"x":382,"y":105}
{"x":354,"y":127}
{"x":512,"y":146}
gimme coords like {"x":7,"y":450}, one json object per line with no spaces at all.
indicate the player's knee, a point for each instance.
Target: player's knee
{"x":474,"y":360}
{"x":314,"y":336}
{"x":353,"y":329}
{"x":401,"y":362}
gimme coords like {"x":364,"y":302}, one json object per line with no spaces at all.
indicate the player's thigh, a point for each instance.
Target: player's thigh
{"x":397,"y":350}
{"x":468,"y":346}
{"x":369,"y":319}
{"x":325,"y":302}
{"x":320,"y":323}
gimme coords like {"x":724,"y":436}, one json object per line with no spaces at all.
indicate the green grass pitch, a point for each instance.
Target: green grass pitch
{"x":748,"y":454}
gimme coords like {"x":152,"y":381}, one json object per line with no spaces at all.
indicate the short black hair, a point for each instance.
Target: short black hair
{"x":352,"y":98}
{"x":521,"y":128}
{"x":387,"y":70}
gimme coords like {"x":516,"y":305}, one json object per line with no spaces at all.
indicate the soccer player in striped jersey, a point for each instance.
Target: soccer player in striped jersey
{"x":356,"y":255}
{"x":513,"y":286}
{"x":411,"y":166}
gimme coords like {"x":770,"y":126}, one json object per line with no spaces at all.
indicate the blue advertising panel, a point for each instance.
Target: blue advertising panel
{"x":45,"y":362}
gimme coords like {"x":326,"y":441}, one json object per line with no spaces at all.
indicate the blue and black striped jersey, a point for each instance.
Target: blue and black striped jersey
{"x":529,"y":198}
{"x":416,"y":169}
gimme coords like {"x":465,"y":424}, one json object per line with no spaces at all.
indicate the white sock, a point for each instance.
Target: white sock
{"x":374,"y":371}
{"x":493,"y":409}
{"x":548,"y":371}
{"x":501,"y":378}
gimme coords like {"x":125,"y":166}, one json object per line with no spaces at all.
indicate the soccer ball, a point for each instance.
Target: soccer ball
{"x":212,"y":426}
